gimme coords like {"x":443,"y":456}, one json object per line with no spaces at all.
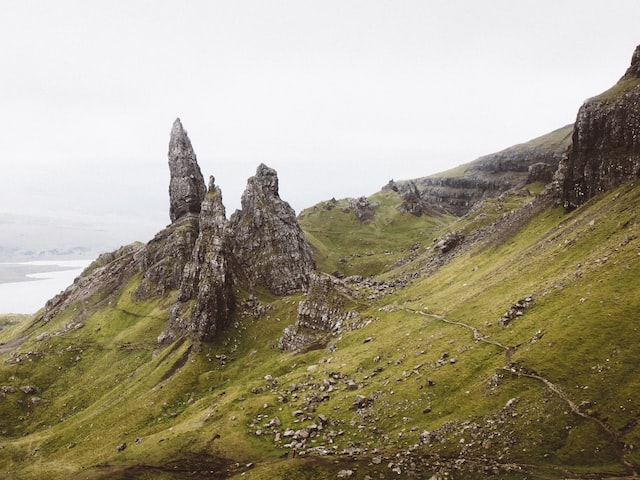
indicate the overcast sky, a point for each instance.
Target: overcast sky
{"x":337,"y":96}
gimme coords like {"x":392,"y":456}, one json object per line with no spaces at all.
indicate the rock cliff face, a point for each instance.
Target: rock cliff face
{"x":164,"y":257}
{"x":205,"y":299}
{"x":186,"y":188}
{"x":268,"y":246}
{"x":458,"y":190}
{"x":606,"y":141}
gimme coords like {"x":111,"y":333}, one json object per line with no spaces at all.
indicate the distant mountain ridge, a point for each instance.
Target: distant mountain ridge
{"x":456,"y":191}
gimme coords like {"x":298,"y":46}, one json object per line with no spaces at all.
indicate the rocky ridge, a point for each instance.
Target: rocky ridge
{"x":459,"y":190}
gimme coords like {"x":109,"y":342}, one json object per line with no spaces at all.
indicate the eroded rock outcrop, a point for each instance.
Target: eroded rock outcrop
{"x":163,"y":259}
{"x":322,"y":313}
{"x":606,"y":141}
{"x":201,"y":255}
{"x":205,"y":299}
{"x":268,"y":246}
{"x":186,"y":187}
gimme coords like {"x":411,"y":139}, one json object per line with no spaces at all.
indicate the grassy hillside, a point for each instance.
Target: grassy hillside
{"x":345,"y":245}
{"x":434,"y":382}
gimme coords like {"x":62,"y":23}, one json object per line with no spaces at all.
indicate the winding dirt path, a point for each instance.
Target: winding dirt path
{"x":517,"y":370}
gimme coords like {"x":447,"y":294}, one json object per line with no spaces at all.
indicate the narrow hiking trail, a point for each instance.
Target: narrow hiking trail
{"x":520,"y":372}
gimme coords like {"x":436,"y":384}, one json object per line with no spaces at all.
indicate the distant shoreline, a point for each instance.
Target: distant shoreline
{"x":18,"y":272}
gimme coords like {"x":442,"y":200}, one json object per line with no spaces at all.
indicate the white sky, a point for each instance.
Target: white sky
{"x":337,"y":96}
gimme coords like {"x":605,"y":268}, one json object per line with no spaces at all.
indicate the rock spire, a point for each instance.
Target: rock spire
{"x":186,"y":188}
{"x":205,"y":299}
{"x":269,"y":247}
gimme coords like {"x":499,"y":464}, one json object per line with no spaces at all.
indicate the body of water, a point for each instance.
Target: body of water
{"x":27,"y":286}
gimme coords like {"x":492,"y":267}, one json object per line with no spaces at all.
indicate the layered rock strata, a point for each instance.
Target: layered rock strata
{"x":320,"y":314}
{"x":459,"y":190}
{"x":605,"y":150}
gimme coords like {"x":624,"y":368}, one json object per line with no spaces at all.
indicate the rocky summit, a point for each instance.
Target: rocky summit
{"x":479,"y":324}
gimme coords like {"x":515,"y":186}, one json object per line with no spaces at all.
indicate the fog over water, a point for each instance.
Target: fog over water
{"x":30,"y":295}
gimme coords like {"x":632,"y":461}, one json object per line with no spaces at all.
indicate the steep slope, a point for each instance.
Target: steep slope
{"x":501,"y":343}
{"x":430,"y":381}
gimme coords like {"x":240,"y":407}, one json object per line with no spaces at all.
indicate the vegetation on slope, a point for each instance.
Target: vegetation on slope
{"x":434,"y":382}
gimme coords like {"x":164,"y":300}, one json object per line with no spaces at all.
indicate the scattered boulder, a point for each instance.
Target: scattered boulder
{"x":362,"y":208}
{"x":361,"y":402}
{"x":448,"y":241}
{"x":515,"y":310}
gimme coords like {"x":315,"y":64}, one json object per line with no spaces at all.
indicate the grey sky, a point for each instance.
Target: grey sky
{"x":338,"y":96}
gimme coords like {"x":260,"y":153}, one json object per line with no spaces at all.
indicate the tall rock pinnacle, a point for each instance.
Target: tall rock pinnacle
{"x":186,"y":188}
{"x":205,"y":299}
{"x":269,"y":247}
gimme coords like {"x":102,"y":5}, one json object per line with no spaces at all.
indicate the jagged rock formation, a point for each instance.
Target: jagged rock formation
{"x":201,"y":255}
{"x":268,"y":246}
{"x":107,"y":274}
{"x":165,"y":256}
{"x":186,"y":188}
{"x":458,"y":190}
{"x":412,"y":201}
{"x":320,"y":314}
{"x":606,"y":141}
{"x":205,"y":300}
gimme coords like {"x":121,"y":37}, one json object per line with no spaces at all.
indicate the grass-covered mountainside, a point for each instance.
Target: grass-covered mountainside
{"x":436,"y":380}
{"x":414,"y":344}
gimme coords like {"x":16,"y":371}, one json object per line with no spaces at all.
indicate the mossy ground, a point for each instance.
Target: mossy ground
{"x":189,"y":411}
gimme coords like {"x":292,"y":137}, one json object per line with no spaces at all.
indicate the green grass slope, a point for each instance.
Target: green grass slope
{"x":433,"y":384}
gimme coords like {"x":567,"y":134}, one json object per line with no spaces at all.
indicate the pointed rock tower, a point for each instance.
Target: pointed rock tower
{"x":186,"y":188}
{"x":205,"y":300}
{"x":269,"y":248}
